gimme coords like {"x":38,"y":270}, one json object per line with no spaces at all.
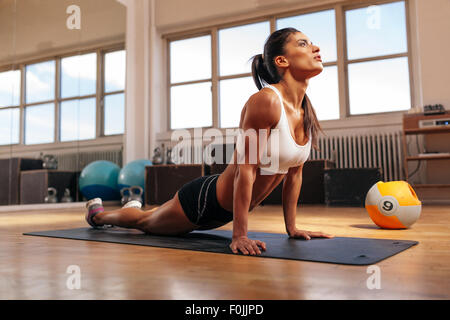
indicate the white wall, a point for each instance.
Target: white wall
{"x":433,"y":19}
{"x":34,"y":28}
{"x":176,"y":14}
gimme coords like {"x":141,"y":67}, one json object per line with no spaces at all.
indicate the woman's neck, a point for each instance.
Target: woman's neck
{"x":293,"y":91}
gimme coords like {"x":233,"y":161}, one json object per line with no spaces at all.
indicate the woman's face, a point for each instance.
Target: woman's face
{"x":302,"y":57}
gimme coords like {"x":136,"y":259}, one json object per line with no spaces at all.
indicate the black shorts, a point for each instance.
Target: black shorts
{"x":199,"y":201}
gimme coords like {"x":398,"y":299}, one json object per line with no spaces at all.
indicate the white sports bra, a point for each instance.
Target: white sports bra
{"x":282,"y":151}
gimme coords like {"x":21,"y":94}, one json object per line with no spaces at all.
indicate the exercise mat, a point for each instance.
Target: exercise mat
{"x":339,"y":250}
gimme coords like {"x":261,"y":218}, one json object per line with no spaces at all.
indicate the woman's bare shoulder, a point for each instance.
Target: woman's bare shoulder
{"x":263,"y":108}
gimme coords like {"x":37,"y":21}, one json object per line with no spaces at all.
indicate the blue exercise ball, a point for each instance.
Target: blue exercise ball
{"x":99,"y":180}
{"x":133,"y":174}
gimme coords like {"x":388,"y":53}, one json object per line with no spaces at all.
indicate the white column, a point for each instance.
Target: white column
{"x":137,"y":94}
{"x":158,"y":80}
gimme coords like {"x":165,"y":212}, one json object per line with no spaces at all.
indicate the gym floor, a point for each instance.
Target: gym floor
{"x":36,"y":267}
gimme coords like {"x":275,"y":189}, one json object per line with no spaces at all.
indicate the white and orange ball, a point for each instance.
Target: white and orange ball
{"x":393,"y":205}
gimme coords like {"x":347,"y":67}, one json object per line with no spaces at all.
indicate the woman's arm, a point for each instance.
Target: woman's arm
{"x":243,"y":185}
{"x":260,"y":113}
{"x":291,"y":192}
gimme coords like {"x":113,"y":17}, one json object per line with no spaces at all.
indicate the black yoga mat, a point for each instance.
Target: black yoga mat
{"x":340,"y":250}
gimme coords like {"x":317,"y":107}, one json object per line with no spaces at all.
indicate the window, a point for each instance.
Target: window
{"x":234,"y":93}
{"x":78,"y":75}
{"x":9,"y":107}
{"x":9,"y":88}
{"x":366,"y":67}
{"x":9,"y":126}
{"x":325,"y":105}
{"x":114,"y":114}
{"x":62,"y":99}
{"x":40,"y":123}
{"x":40,"y":82}
{"x":78,"y":88}
{"x":77,"y":119}
{"x":378,"y":73}
{"x":40,"y":102}
{"x":190,"y":83}
{"x":114,"y":99}
{"x":237,"y":46}
{"x":320,"y":28}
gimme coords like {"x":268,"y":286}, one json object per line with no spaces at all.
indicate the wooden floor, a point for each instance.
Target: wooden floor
{"x":35,"y":267}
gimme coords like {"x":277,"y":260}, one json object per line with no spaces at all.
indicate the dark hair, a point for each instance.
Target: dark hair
{"x":264,"y":70}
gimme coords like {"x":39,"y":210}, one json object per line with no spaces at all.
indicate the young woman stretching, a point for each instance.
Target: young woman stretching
{"x":281,"y":74}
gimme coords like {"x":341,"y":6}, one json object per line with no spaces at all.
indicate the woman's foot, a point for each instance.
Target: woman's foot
{"x":94,"y":207}
{"x":133,"y":204}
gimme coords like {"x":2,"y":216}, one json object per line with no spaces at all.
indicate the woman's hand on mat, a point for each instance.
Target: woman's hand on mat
{"x":307,"y":235}
{"x":247,"y":246}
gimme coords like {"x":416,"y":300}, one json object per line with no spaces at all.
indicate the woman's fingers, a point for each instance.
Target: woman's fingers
{"x":251,"y":247}
{"x":256,"y":248}
{"x":320,"y":235}
{"x":305,"y":235}
{"x":261,"y":244}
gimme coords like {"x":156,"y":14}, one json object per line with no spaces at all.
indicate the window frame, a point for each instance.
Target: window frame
{"x":347,"y":61}
{"x":341,"y":63}
{"x":18,"y":106}
{"x":99,"y":95}
{"x":169,"y":83}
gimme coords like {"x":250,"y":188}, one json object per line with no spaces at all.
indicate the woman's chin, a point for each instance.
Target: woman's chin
{"x":316,"y":71}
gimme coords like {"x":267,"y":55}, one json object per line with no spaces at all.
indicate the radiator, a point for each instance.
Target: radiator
{"x":383,"y":150}
{"x":77,"y":161}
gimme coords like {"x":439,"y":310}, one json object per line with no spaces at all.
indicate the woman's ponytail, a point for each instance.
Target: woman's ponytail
{"x":259,"y":72}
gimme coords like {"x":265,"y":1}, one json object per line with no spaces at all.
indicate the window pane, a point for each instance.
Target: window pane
{"x":379,"y":86}
{"x":324,"y":94}
{"x":115,"y":66}
{"x":234,"y":93}
{"x":9,"y":126}
{"x":10,"y":88}
{"x":238,"y":45}
{"x":78,"y":119}
{"x":190,"y":59}
{"x":376,"y":30}
{"x":319,"y":27}
{"x":191,"y":106}
{"x":78,"y":75}
{"x":114,"y":114}
{"x":40,"y":82}
{"x":40,"y":124}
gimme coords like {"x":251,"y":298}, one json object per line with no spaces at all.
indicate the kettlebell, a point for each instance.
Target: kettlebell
{"x":136,"y":193}
{"x":125,"y":193}
{"x":169,"y":156}
{"x":51,"y":196}
{"x":49,"y":162}
{"x":157,"y":157}
{"x":66,"y":197}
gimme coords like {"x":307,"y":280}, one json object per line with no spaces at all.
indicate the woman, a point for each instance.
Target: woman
{"x":288,"y":62}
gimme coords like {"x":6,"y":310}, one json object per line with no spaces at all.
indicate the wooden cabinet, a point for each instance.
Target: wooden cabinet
{"x":163,"y":181}
{"x":10,"y":170}
{"x":313,"y":189}
{"x":415,"y":124}
{"x":35,"y":183}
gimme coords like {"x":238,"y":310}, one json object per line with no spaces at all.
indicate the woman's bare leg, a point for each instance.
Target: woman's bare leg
{"x":168,"y":219}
